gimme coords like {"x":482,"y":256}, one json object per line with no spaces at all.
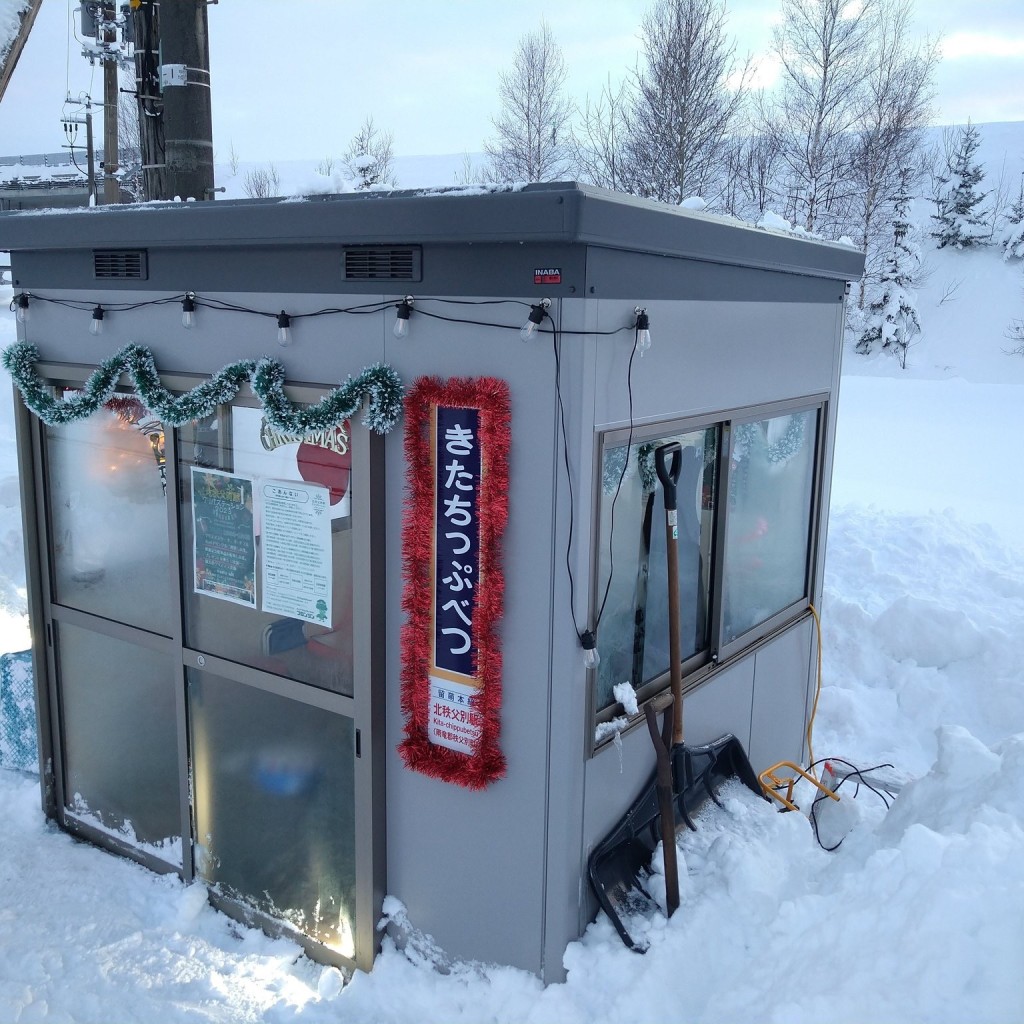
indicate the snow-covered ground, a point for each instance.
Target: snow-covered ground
{"x":915,"y":917}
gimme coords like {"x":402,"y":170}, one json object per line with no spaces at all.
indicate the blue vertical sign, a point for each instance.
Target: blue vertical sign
{"x":457,"y":465}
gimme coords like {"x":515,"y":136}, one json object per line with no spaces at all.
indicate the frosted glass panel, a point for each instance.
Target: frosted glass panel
{"x":633,"y":636}
{"x":109,"y":515}
{"x":771,"y":481}
{"x":120,"y":740}
{"x":274,"y":805}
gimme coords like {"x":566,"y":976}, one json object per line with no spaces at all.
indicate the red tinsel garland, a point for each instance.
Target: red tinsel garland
{"x":491,"y":397}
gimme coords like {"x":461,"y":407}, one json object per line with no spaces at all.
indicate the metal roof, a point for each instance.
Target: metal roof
{"x":559,"y":213}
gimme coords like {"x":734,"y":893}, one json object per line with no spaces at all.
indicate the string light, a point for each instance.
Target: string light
{"x":643,"y":332}
{"x":535,"y":319}
{"x":402,"y":318}
{"x":284,"y":329}
{"x":191,"y":302}
{"x":188,"y":310}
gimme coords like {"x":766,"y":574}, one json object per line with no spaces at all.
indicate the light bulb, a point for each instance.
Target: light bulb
{"x":188,"y":311}
{"x":534,"y":320}
{"x":643,"y":333}
{"x":402,"y":318}
{"x":96,"y":326}
{"x":591,"y":659}
{"x":284,"y":329}
{"x":22,"y":302}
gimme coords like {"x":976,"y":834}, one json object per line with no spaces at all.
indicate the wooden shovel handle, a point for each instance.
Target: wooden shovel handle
{"x":668,"y":460}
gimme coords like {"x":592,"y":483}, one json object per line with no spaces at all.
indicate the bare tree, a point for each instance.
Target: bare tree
{"x":888,"y":143}
{"x":369,"y":160}
{"x":262,"y":182}
{"x":753,"y":167}
{"x":688,"y":95}
{"x":129,"y":144}
{"x":598,"y":144}
{"x":824,"y":47}
{"x":533,"y":128}
{"x":470,"y":173}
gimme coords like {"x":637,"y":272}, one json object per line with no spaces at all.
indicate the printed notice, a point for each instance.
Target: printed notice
{"x":296,"y":546}
{"x":454,"y":720}
{"x":224,"y":549}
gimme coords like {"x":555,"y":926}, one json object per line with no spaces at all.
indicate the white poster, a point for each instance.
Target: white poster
{"x":454,"y":720}
{"x":296,"y":548}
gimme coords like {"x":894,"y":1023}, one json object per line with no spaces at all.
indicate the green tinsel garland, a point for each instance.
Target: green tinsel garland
{"x":751,"y":438}
{"x":379,"y":383}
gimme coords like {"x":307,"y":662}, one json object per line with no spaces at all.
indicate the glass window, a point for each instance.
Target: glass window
{"x":273,"y":784}
{"x":120,"y":739}
{"x":633,"y":632}
{"x":771,"y":479}
{"x":267,"y":546}
{"x":109,"y":515}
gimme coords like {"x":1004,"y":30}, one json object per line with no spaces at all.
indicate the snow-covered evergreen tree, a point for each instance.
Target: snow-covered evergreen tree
{"x":369,"y":159}
{"x":891,"y":319}
{"x":1013,"y":235}
{"x":961,"y":222}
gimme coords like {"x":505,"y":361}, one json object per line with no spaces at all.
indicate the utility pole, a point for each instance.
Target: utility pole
{"x":90,"y":155}
{"x":146,"y":26}
{"x":111,"y":150}
{"x":71,"y":123}
{"x":172,"y":61}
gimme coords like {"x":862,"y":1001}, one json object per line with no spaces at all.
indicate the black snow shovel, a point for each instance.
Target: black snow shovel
{"x":620,"y":865}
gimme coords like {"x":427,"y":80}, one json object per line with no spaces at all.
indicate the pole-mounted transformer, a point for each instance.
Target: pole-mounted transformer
{"x":170,"y":44}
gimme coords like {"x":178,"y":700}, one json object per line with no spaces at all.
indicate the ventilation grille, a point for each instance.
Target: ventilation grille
{"x":120,"y":264}
{"x":372,"y":264}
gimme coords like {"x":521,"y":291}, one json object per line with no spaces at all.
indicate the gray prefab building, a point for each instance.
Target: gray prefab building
{"x":239,"y":625}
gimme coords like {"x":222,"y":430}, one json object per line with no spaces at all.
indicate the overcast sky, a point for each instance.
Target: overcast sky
{"x":296,"y":79}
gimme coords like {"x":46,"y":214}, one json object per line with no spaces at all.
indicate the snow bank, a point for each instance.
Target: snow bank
{"x":914,"y":918}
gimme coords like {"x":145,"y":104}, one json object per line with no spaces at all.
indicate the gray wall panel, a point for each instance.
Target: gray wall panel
{"x":568,"y":714}
{"x":710,"y":356}
{"x":470,"y":865}
{"x":780,"y":697}
{"x":615,"y":778}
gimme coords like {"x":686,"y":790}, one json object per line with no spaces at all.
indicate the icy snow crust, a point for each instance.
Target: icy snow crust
{"x":916,"y":916}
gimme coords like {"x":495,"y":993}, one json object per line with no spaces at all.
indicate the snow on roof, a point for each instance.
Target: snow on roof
{"x":10,"y":22}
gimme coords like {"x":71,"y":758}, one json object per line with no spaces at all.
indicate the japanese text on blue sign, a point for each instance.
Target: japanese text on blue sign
{"x":457,"y":538}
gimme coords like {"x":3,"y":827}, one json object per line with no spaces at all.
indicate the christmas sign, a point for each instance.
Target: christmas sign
{"x":224,"y":545}
{"x":456,"y":447}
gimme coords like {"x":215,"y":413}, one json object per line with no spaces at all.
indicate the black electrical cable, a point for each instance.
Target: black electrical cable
{"x":555,"y":334}
{"x":618,"y":487}
{"x":880,"y":791}
{"x":113,"y":307}
{"x":361,"y":309}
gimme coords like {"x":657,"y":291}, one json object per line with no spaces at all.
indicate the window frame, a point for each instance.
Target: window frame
{"x":365,"y":708}
{"x":718,"y":653}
